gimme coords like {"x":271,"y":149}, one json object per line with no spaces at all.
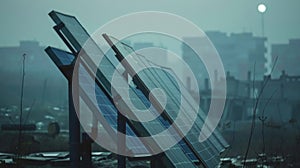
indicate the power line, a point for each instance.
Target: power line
{"x":256,"y":100}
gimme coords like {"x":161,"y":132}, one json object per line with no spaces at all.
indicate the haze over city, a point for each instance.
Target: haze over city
{"x":236,"y":103}
{"x":27,"y":20}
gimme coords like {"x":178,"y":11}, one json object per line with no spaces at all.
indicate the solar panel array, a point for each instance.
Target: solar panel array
{"x":176,"y":154}
{"x":183,"y":154}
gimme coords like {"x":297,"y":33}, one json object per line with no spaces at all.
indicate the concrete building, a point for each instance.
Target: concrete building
{"x":277,"y":115}
{"x":42,"y":85}
{"x":277,"y":99}
{"x":238,"y":51}
{"x":288,"y":57}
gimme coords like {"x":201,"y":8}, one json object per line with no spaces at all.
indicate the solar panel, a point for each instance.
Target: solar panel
{"x":110,"y":113}
{"x":155,"y":75}
{"x":154,"y":126}
{"x":60,"y":57}
{"x":71,"y":28}
{"x":169,"y":83}
{"x":192,"y":102}
{"x":206,"y":148}
{"x":108,"y":110}
{"x":152,"y":78}
{"x":166,"y":125}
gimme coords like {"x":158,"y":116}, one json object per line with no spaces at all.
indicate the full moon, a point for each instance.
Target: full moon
{"x":261,"y":8}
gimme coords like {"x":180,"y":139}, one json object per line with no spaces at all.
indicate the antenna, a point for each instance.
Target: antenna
{"x":21,"y":107}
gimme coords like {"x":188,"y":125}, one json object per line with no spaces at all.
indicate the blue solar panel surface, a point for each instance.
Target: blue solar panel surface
{"x":60,"y":57}
{"x":154,"y":78}
{"x":107,"y":109}
{"x":138,"y":98}
{"x":162,"y":79}
{"x":110,"y":113}
{"x":166,"y":125}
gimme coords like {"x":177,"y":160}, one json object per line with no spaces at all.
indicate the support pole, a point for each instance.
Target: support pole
{"x":74,"y":129}
{"x":121,"y":140}
{"x":86,"y":150}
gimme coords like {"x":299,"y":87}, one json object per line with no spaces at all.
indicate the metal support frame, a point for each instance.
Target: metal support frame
{"x":121,"y":126}
{"x":74,"y":124}
{"x":74,"y":128}
{"x":86,"y":150}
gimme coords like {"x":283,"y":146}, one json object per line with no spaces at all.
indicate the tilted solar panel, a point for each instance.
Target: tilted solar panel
{"x":202,"y":116}
{"x":166,"y":125}
{"x":77,"y":35}
{"x":155,"y":75}
{"x":108,"y":110}
{"x":175,"y":154}
{"x":152,"y":78}
{"x":206,"y":148}
{"x":152,"y":127}
{"x":169,"y":84}
{"x":110,"y":113}
{"x":60,"y":57}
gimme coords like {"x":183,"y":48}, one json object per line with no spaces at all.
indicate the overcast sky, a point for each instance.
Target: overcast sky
{"x":28,"y":19}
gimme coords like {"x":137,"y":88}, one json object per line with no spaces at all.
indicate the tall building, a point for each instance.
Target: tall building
{"x":238,"y":51}
{"x":288,"y":57}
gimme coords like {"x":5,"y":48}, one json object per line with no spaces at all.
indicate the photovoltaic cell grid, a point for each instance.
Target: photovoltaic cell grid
{"x":205,"y":149}
{"x":166,"y":125}
{"x":60,"y":57}
{"x":202,"y":116}
{"x":107,"y":109}
{"x":178,"y":160}
{"x":155,"y":78}
{"x":137,"y":98}
{"x":172,"y":88}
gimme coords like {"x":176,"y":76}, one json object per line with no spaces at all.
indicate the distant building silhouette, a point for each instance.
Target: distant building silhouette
{"x":42,"y":84}
{"x":12,"y":56}
{"x":288,"y":57}
{"x":279,"y":100}
{"x":238,"y":51}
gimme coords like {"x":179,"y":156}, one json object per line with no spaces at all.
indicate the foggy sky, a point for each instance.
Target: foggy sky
{"x":28,"y":19}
